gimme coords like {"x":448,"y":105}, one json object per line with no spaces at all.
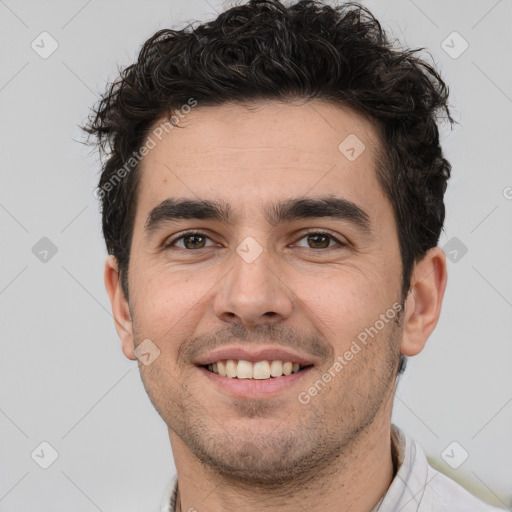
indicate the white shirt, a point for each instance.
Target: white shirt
{"x":417,"y":486}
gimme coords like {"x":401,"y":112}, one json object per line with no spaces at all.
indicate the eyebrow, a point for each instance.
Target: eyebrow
{"x":288,"y":210}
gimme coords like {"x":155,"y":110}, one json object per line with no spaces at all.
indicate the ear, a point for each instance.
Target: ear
{"x":120,"y":307}
{"x":424,"y":300}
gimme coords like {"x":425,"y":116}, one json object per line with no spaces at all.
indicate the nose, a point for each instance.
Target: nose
{"x":253,"y":292}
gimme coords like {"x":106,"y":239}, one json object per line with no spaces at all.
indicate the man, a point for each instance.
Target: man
{"x":272,"y":202}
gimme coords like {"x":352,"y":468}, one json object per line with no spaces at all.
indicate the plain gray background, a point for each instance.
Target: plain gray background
{"x":64,"y":378}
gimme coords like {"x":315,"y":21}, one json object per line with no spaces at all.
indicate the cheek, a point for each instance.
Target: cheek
{"x":337,"y":302}
{"x":343,"y":304}
{"x":162,"y":289}
{"x":167,"y":306}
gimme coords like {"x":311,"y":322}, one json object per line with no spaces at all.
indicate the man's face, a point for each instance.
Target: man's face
{"x":296,"y":288}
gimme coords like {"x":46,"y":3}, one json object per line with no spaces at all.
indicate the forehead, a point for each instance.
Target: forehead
{"x":269,"y":150}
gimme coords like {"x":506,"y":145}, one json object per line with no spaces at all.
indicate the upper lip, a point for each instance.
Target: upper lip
{"x":252,"y":354}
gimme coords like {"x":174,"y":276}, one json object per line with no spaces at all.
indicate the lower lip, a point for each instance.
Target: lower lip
{"x":254,"y":388}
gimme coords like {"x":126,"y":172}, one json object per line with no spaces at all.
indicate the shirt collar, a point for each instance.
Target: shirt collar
{"x":407,"y":488}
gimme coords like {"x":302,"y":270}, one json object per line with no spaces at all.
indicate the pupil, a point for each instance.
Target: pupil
{"x":192,"y":237}
{"x":325,"y":237}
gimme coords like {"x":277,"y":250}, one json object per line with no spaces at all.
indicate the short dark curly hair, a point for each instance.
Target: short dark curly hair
{"x":265,"y":51}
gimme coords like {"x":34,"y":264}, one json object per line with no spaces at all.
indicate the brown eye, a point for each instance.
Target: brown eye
{"x":195,"y":241}
{"x":191,"y":241}
{"x":320,"y":240}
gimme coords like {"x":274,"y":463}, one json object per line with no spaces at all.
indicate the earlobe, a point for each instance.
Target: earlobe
{"x":423,"y":303}
{"x":120,"y":307}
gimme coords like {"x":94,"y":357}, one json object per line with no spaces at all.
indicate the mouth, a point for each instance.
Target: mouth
{"x":254,"y":370}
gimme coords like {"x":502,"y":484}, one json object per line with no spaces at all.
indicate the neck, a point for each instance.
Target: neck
{"x":355,"y":481}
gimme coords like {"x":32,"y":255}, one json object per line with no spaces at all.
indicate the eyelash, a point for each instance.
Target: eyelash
{"x":187,"y":234}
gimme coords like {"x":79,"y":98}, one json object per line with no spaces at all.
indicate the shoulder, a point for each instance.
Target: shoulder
{"x":418,"y":487}
{"x":442,"y":494}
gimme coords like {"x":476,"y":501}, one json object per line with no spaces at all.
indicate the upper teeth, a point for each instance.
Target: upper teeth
{"x":248,"y":370}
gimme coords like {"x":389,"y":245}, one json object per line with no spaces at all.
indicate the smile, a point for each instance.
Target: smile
{"x":259,"y":370}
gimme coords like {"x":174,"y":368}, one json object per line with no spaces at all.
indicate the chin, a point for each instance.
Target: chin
{"x":266,"y":457}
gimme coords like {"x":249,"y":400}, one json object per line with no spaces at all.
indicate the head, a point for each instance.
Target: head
{"x":270,"y":130}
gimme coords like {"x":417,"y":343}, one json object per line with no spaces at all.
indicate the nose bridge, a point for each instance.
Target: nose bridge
{"x":252,"y":291}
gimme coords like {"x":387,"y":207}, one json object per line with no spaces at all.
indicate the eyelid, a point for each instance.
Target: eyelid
{"x":183,"y":234}
{"x":321,"y":231}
